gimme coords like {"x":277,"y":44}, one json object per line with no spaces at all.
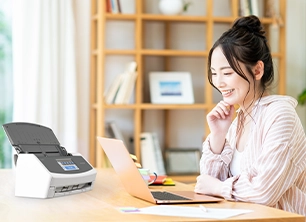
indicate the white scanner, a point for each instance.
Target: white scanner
{"x":44,"y":169}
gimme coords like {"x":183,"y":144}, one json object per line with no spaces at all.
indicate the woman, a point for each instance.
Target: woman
{"x":260,"y":157}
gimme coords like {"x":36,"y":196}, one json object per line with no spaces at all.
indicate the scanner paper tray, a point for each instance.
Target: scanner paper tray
{"x":34,"y":139}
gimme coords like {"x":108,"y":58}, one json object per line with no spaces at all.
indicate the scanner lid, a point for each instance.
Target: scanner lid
{"x":33,"y":138}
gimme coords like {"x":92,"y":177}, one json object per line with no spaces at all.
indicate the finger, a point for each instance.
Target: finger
{"x":224,"y":106}
{"x":216,"y":113}
{"x":213,"y":115}
{"x":222,"y":110}
{"x":221,"y":113}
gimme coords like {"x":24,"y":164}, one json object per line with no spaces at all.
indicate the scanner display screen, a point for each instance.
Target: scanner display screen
{"x":67,"y":164}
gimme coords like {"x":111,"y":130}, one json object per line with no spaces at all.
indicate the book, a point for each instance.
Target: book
{"x":245,"y":8}
{"x":130,"y":87}
{"x":127,"y":6}
{"x":151,"y":157}
{"x":121,"y":89}
{"x":162,"y":180}
{"x":108,"y":6}
{"x":254,"y":7}
{"x":111,"y":93}
{"x":127,"y":85}
{"x":159,"y":180}
{"x":114,"y":6}
{"x":158,"y":154}
{"x":115,"y":132}
{"x":119,"y":6}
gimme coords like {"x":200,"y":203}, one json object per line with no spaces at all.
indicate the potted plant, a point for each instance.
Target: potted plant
{"x":302,"y":98}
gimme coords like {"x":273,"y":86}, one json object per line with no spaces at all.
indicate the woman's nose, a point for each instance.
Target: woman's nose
{"x":219,"y":83}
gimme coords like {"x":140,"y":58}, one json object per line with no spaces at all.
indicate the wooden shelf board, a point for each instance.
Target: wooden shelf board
{"x":147,"y":106}
{"x":171,"y":52}
{"x":174,"y":18}
{"x":174,"y":106}
{"x":156,"y":52}
{"x":223,"y":19}
{"x":120,"y":52}
{"x":111,"y":16}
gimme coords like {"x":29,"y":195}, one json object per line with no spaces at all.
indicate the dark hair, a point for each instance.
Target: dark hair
{"x":245,"y":42}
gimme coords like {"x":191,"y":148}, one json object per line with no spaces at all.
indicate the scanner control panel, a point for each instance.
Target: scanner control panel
{"x":67,"y":164}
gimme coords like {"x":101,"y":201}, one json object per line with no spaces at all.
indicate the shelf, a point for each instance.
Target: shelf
{"x":173,"y":52}
{"x":156,"y":106}
{"x":120,"y":16}
{"x":155,"y":52}
{"x":120,"y":52}
{"x":155,"y":42}
{"x":176,"y":18}
{"x":162,"y":52}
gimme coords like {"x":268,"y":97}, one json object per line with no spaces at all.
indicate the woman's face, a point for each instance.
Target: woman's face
{"x":234,"y":89}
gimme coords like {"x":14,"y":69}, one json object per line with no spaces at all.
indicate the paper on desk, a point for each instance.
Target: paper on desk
{"x":216,"y":213}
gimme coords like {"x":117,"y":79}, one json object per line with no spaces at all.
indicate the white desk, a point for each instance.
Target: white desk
{"x":100,"y":204}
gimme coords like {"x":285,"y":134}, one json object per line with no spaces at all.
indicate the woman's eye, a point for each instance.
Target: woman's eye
{"x":213,"y":73}
{"x":228,"y":73}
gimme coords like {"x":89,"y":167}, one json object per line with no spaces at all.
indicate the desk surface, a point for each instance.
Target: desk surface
{"x":102,"y":202}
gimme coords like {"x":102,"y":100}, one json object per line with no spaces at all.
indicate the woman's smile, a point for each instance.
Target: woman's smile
{"x":227,"y":93}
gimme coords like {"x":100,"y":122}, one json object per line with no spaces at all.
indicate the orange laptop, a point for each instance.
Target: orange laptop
{"x":133,"y":182}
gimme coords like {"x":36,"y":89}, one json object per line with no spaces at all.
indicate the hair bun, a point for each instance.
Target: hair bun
{"x":250,"y":23}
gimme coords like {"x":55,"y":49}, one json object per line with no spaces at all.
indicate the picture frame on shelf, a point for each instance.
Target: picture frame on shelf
{"x":171,"y":88}
{"x":181,"y":161}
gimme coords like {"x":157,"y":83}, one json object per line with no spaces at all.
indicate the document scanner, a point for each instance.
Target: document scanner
{"x":44,"y":169}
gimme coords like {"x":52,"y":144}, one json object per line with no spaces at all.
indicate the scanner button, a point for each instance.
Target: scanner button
{"x":70,"y":167}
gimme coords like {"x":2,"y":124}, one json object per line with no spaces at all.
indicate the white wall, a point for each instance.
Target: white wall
{"x":296,"y":51}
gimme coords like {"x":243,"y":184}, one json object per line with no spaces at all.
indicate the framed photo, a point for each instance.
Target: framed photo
{"x":171,"y":88}
{"x":182,"y":161}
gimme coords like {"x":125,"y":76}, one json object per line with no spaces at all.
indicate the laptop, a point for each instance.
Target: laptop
{"x":135,"y":185}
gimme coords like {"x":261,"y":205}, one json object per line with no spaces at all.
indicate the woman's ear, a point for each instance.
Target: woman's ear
{"x":258,"y":70}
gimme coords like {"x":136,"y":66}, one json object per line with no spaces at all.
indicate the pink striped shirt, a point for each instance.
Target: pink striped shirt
{"x":273,"y":165}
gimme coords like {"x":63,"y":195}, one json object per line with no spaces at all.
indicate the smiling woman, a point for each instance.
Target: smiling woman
{"x":260,"y":156}
{"x":5,"y":80}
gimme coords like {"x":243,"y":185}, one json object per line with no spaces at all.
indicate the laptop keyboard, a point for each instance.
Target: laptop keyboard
{"x":159,"y":195}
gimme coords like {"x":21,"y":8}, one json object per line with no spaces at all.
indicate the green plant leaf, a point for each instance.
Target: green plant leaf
{"x":302,"y":97}
{"x":186,"y":5}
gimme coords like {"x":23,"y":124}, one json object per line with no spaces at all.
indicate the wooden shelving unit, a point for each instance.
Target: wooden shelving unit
{"x":141,"y":18}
